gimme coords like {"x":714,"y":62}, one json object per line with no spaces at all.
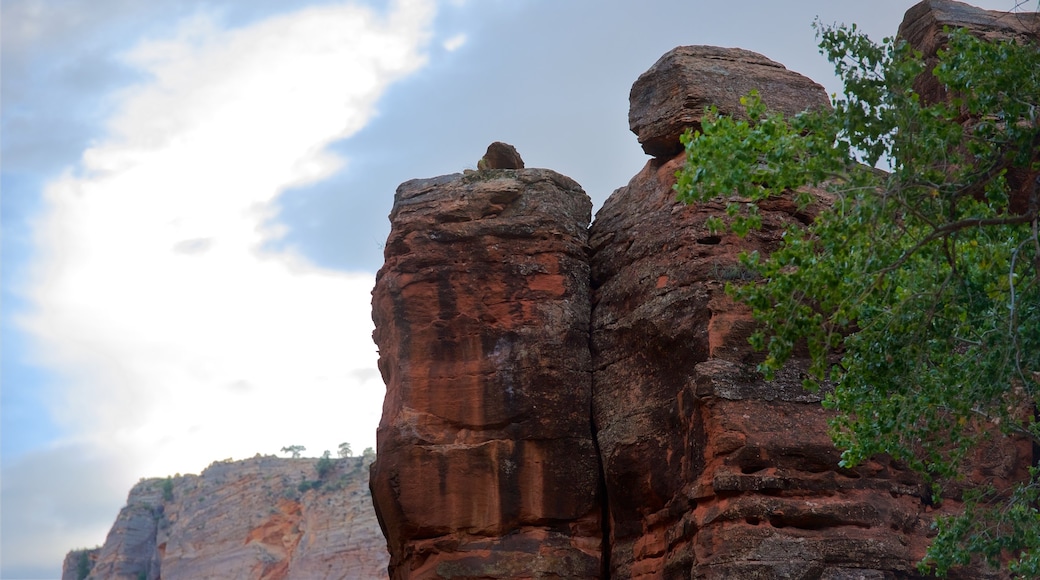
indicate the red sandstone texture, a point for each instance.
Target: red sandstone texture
{"x":487,"y":466}
{"x":248,"y":520}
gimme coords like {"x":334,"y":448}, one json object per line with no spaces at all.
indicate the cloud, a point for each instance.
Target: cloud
{"x":178,"y":336}
{"x":454,"y":43}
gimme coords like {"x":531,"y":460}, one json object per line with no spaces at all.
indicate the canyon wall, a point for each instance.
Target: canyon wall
{"x":264,"y":518}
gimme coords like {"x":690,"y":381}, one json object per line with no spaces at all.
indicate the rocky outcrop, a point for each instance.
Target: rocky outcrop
{"x":487,"y":466}
{"x":264,"y":518}
{"x":673,"y":95}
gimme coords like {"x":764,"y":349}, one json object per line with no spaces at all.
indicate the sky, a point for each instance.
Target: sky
{"x":193,"y":202}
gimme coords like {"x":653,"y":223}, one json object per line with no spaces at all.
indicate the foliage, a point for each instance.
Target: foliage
{"x":294,"y":450}
{"x":83,"y":565}
{"x":369,"y":454}
{"x":167,"y":489}
{"x":917,"y":292}
{"x":324,"y":465}
{"x":344,"y":450}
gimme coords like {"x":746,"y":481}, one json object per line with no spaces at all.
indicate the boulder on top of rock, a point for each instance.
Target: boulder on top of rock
{"x":500,"y":156}
{"x":674,"y":93}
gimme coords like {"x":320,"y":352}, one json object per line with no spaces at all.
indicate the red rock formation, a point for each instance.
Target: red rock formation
{"x":246,"y":519}
{"x":487,"y":466}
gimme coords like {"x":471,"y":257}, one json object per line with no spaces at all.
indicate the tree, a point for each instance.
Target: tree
{"x":917,"y":292}
{"x":344,"y":450}
{"x":294,"y":450}
{"x":324,"y":465}
{"x":167,"y":489}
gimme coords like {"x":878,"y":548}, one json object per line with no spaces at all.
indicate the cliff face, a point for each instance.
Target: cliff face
{"x":705,"y":470}
{"x":263,"y":518}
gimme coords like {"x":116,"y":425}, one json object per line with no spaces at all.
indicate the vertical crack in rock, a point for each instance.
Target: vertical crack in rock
{"x":486,"y":462}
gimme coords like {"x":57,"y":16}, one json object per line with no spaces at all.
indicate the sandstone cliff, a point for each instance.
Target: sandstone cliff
{"x":696,"y":467}
{"x":263,"y":518}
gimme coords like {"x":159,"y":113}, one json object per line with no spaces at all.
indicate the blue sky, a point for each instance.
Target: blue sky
{"x":194,"y":197}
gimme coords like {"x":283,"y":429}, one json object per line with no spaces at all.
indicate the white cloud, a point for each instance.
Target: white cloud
{"x":454,"y":43}
{"x":178,"y":338}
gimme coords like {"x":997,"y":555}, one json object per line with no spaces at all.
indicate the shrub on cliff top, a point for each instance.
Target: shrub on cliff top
{"x":324,"y":465}
{"x":923,"y":283}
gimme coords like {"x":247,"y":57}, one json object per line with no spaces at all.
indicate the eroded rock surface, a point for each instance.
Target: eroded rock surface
{"x":247,"y":519}
{"x":487,"y":466}
{"x":673,"y":95}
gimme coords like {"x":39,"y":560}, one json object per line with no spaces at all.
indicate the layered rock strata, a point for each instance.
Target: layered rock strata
{"x":487,"y":466}
{"x":264,"y":518}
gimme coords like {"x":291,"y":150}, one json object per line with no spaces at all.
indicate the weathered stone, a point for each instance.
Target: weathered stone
{"x":487,"y":466}
{"x":500,"y":156}
{"x":247,"y":519}
{"x":674,"y":93}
